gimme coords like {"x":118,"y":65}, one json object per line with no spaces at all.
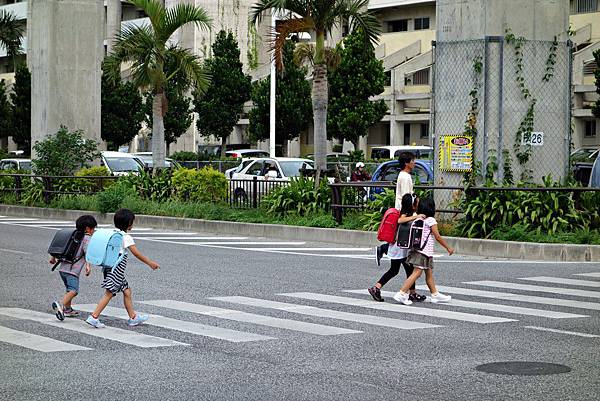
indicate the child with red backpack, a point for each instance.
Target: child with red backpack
{"x":398,"y":255}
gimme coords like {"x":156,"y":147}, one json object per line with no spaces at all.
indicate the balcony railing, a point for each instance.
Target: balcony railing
{"x":584,"y":6}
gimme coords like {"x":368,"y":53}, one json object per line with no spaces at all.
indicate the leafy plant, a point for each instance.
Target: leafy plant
{"x":33,"y":192}
{"x":204,"y":185}
{"x":155,"y":185}
{"x":114,"y":197}
{"x":375,"y":209}
{"x":184,"y":156}
{"x":299,"y":197}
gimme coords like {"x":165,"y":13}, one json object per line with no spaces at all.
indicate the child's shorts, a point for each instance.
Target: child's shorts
{"x":71,"y":282}
{"x":420,"y":261}
{"x":114,"y":279}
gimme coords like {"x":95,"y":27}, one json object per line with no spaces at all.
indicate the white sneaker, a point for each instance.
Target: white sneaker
{"x":94,"y":322}
{"x":402,"y":298}
{"x":439,"y":297}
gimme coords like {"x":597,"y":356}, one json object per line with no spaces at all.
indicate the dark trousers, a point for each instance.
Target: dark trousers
{"x":395,"y":269}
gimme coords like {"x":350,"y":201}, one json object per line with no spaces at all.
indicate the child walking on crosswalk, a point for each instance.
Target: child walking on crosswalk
{"x":114,"y":279}
{"x":423,"y":260}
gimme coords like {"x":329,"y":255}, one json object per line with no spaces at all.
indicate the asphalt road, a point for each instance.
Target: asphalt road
{"x":232,"y":335}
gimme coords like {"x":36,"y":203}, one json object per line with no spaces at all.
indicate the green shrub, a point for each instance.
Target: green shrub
{"x":33,"y":192}
{"x":184,"y":156}
{"x":154,"y":185}
{"x":521,"y":233}
{"x":113,"y":198}
{"x":204,"y":185}
{"x":299,"y":197}
{"x":75,"y":202}
{"x":375,"y":209}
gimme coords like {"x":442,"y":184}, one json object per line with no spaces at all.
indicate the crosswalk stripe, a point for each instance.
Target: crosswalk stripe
{"x":517,"y":297}
{"x":194,"y":238}
{"x":573,"y":333}
{"x":322,"y":250}
{"x":241,"y":243}
{"x":186,"y":327}
{"x":595,"y":274}
{"x":35,"y":342}
{"x":414,"y":310}
{"x":560,"y":280}
{"x":238,"y":316}
{"x":109,"y":333}
{"x":327,"y":313}
{"x":17,"y":219}
{"x":48,"y":222}
{"x":161,"y":233}
{"x":537,"y":288}
{"x":493,"y":307}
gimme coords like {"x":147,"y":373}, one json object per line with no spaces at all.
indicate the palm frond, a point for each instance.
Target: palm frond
{"x":257,"y":10}
{"x":11,"y":33}
{"x":153,"y":9}
{"x":354,"y":12}
{"x":304,"y":53}
{"x":283,"y":30}
{"x":180,"y":15}
{"x":189,"y":66}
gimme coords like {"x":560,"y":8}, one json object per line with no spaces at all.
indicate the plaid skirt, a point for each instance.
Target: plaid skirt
{"x":417,"y":259}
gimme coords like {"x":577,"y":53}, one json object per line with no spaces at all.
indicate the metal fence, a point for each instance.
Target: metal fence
{"x":516,"y":94}
{"x":250,"y":193}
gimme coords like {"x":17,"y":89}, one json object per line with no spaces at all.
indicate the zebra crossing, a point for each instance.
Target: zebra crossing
{"x":336,"y":315}
{"x":194,"y":239}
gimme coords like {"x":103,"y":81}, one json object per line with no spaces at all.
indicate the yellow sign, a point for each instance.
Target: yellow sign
{"x":456,"y":153}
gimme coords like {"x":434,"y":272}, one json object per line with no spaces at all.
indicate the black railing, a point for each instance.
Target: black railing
{"x":249,"y":193}
{"x":343,"y":194}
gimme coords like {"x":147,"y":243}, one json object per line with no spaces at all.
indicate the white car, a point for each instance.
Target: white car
{"x":391,"y":152}
{"x":119,"y":163}
{"x":146,"y":159}
{"x":15,"y":164}
{"x":280,"y":169}
{"x":246,"y":153}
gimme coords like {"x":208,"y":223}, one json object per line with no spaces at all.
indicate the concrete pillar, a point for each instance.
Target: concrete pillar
{"x":114,"y":13}
{"x":64,"y":53}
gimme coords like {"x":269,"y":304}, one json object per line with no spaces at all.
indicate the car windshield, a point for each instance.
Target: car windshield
{"x":25,"y":166}
{"x":122,"y":164}
{"x":380,"y":154}
{"x":292,"y":168}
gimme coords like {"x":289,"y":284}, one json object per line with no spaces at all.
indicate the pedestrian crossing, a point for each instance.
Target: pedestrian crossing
{"x":354,"y":314}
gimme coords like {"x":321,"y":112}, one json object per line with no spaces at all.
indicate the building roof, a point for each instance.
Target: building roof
{"x":377,"y":4}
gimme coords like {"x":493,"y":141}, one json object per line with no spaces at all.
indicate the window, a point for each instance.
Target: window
{"x":590,"y":129}
{"x":424,"y":130}
{"x":589,"y":67}
{"x":255,"y":169}
{"x":400,"y":25}
{"x":584,"y":6}
{"x":421,"y":23}
{"x":420,"y":77}
{"x":388,"y":78}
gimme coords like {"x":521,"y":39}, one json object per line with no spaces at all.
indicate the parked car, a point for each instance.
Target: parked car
{"x":119,"y":163}
{"x":388,"y":172}
{"x":285,"y":168}
{"x":246,"y":153}
{"x":15,"y":164}
{"x":391,"y":152}
{"x":333,"y":157}
{"x":146,"y":159}
{"x":595,"y":174}
{"x":582,"y":161}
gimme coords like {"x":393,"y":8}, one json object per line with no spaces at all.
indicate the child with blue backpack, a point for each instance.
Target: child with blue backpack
{"x":70,"y":272}
{"x":114,"y":278}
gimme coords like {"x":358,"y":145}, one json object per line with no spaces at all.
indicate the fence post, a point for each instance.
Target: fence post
{"x":18,"y":187}
{"x":336,"y":197}
{"x":254,"y":192}
{"x":47,"y":183}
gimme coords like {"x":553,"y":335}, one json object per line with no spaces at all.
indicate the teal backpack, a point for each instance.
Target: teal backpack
{"x":104,"y":248}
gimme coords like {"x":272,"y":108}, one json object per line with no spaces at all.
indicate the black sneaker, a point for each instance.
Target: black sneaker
{"x":58,"y":311}
{"x":376,"y":294}
{"x":378,"y":255}
{"x":416,"y":297}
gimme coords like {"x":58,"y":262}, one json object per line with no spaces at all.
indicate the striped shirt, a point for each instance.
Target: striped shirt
{"x":428,"y":235}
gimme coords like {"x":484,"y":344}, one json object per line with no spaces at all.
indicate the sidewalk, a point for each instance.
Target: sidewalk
{"x":464,"y":246}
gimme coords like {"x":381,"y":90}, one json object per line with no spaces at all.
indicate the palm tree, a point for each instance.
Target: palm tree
{"x":11,"y":34}
{"x":147,"y":53}
{"x":319,"y":17}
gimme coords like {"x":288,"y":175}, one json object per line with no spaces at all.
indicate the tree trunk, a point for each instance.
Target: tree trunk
{"x":223,"y":148}
{"x":284,"y":148}
{"x":319,"y":104}
{"x":158,"y":132}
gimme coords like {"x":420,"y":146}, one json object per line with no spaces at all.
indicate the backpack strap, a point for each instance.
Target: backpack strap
{"x":59,"y":261}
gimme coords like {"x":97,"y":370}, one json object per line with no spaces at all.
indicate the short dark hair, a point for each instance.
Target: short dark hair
{"x":426,"y":207}
{"x":85,"y":221}
{"x":123,"y":219}
{"x":404,"y":158}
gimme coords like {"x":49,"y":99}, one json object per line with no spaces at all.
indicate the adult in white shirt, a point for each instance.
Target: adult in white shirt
{"x":404,"y":185}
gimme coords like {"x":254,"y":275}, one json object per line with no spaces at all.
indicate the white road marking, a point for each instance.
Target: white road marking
{"x":327,"y":313}
{"x":17,"y":220}
{"x":110,"y":333}
{"x":197,"y":238}
{"x":572,"y":333}
{"x":493,"y":307}
{"x":49,"y":222}
{"x":537,"y":288}
{"x":135,"y":229}
{"x":242,"y":243}
{"x":596,"y":274}
{"x":560,"y":280}
{"x":414,"y":310}
{"x":517,"y":297}
{"x":161,"y":233}
{"x":35,"y":342}
{"x":238,"y":316}
{"x":186,"y":327}
{"x":14,"y":251}
{"x":322,"y":249}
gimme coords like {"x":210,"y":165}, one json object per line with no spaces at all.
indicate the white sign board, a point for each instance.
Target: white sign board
{"x":535,"y":139}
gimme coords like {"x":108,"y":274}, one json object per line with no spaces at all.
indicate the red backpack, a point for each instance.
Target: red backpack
{"x":389,"y":225}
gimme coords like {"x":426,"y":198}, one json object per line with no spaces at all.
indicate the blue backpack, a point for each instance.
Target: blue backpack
{"x":104,"y":248}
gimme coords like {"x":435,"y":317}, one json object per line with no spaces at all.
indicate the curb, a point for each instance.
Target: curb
{"x":464,"y":246}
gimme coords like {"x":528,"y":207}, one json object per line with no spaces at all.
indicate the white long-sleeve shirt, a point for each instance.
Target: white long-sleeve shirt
{"x":404,"y":186}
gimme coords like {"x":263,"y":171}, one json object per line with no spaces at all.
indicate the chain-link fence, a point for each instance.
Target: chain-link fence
{"x":513,"y":96}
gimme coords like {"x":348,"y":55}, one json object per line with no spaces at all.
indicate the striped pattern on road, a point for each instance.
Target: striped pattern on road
{"x":311,"y":328}
{"x":537,"y":288}
{"x":327,"y":313}
{"x":595,"y":274}
{"x":565,"y":281}
{"x":35,"y":342}
{"x":183,"y":326}
{"x":109,"y":333}
{"x":413,"y":310}
{"x":516,"y":297}
{"x":572,"y":333}
{"x":493,"y":307}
